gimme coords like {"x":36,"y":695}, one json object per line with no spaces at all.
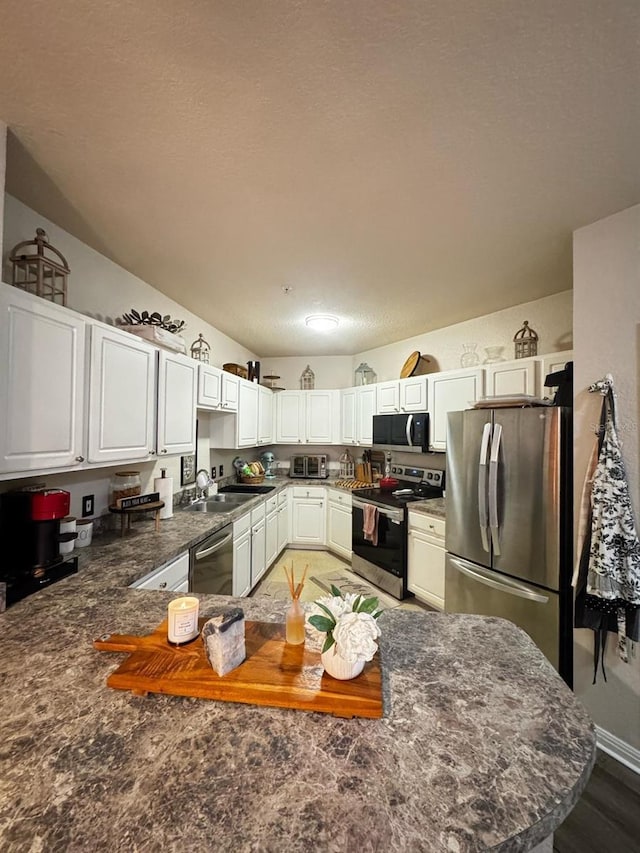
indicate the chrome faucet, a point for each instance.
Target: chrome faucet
{"x":203,"y":481}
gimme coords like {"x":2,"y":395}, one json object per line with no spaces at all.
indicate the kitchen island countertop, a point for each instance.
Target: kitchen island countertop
{"x":481,"y":745}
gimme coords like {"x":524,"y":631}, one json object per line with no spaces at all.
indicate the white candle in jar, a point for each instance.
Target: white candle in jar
{"x":183,"y":620}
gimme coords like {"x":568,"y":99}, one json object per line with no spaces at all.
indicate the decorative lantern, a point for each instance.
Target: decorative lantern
{"x":365,"y":375}
{"x":526,"y":341}
{"x":37,"y":272}
{"x":346,"y":465}
{"x":200,"y":350}
{"x":308,"y":379}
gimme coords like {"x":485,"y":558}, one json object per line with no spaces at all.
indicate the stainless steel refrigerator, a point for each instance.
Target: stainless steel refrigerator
{"x":509,"y":522}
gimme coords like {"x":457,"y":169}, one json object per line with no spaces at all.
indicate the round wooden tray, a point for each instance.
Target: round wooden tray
{"x":411,"y":364}
{"x":126,"y":514}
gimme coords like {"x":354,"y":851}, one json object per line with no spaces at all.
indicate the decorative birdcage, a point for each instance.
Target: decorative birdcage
{"x":347,"y":467}
{"x":365,"y":375}
{"x":39,"y":273}
{"x":200,"y":350}
{"x":307,"y":379}
{"x":526,"y":341}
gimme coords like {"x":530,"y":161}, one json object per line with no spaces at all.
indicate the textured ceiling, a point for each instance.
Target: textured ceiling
{"x":404,"y":165}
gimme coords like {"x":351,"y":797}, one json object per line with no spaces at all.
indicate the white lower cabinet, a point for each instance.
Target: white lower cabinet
{"x":173,"y":576}
{"x":242,"y":556}
{"x":308,"y":516}
{"x":283,"y":520}
{"x":271,"y":531}
{"x":339,"y":523}
{"x":426,"y":558}
{"x":258,"y":544}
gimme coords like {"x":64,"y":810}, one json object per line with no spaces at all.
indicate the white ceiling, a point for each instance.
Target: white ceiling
{"x":404,"y":165}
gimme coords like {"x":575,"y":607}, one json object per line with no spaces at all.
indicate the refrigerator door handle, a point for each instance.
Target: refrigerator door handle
{"x":493,"y":489}
{"x":482,"y":487}
{"x":502,"y":583}
{"x":409,"y":431}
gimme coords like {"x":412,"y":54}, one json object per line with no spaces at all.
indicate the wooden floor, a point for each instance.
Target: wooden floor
{"x":606,"y":819}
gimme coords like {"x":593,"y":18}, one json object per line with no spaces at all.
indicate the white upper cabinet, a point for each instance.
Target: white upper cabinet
{"x":230,"y":392}
{"x":451,"y":391}
{"x":366,"y":398}
{"x":177,"y":395}
{"x":551,"y":364}
{"x":122,"y":396}
{"x":247,"y":417}
{"x":348,"y":421}
{"x":512,"y":377}
{"x":217,"y":389}
{"x":42,"y":353}
{"x":307,"y":417}
{"x":265,"y":415}
{"x":402,"y":395}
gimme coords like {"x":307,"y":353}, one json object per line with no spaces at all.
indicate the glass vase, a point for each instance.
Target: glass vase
{"x":494,"y":354}
{"x":469,"y":357}
{"x":294,"y":624}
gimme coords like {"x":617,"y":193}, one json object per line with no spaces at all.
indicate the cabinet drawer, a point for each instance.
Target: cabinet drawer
{"x":427,"y":524}
{"x":271,"y":505}
{"x":308,"y":492}
{"x":169,"y":576}
{"x":339,"y":498}
{"x":282,"y":497}
{"x":242,"y":526}
{"x":257,"y":514}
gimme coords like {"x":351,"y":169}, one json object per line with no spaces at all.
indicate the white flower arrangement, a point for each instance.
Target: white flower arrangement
{"x":349,"y":621}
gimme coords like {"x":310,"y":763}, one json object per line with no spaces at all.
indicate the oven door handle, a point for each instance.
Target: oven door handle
{"x":200,"y":555}
{"x":394,"y":515}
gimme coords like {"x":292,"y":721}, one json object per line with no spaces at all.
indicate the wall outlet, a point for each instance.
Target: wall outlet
{"x":87,"y":505}
{"x":221,"y":470}
{"x":213,"y":472}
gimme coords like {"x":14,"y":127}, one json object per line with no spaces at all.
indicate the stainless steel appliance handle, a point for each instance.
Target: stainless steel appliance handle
{"x":504,"y":584}
{"x":494,"y":524}
{"x":408,"y":430}
{"x":396,"y":515}
{"x":200,"y":555}
{"x":482,"y":487}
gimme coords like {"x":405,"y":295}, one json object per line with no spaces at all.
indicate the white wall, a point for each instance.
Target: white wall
{"x":607,"y":340}
{"x":101,"y":289}
{"x":551,"y":317}
{"x":3,"y":168}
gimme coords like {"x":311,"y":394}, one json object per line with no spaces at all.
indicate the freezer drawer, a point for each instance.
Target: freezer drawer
{"x":470,"y":588}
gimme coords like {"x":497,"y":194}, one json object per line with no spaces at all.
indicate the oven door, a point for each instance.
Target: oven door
{"x":390,"y":554}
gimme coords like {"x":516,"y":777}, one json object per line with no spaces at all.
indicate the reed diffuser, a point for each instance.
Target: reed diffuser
{"x":294,"y":623}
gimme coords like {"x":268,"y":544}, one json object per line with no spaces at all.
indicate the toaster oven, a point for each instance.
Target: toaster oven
{"x":310,"y":467}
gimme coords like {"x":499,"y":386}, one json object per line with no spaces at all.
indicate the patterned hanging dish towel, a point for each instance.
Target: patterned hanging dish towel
{"x":612,"y":551}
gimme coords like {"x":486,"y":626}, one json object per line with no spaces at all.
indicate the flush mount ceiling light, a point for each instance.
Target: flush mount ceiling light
{"x":321,"y":322}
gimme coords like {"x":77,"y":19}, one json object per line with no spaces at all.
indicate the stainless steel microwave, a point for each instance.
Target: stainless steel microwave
{"x":409,"y":433}
{"x":313,"y":467}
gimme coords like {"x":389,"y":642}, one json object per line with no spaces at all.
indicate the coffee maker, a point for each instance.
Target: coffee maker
{"x":30,"y":531}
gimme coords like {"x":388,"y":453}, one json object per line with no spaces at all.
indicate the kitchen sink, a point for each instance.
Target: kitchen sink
{"x":219,"y":503}
{"x":252,"y":490}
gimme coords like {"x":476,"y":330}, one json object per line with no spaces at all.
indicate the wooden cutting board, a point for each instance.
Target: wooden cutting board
{"x":274,"y":673}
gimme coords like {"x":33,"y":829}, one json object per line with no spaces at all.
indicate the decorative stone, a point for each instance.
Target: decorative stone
{"x":223,"y":638}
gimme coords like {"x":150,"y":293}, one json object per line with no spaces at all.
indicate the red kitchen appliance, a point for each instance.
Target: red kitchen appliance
{"x":30,"y":529}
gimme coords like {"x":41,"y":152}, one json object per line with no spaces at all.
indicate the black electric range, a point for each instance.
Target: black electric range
{"x":414,"y":484}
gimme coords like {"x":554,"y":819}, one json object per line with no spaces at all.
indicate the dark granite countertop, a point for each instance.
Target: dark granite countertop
{"x":430,"y":506}
{"x":481,"y":747}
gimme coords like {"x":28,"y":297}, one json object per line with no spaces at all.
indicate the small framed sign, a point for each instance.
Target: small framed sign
{"x":187,"y":470}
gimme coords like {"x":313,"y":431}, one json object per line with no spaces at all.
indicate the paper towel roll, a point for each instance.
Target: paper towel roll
{"x":164,"y":487}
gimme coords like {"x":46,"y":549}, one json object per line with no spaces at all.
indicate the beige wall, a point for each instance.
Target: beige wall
{"x":3,"y":167}
{"x":607,"y":340}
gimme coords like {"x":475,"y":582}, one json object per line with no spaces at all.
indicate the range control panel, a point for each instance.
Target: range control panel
{"x":432,"y":476}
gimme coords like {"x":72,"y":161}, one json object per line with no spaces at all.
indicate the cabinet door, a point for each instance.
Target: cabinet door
{"x":209,"y":387}
{"x":425,"y":574}
{"x":241,"y":565}
{"x":551,"y":364}
{"x":348,"y":416}
{"x":339,"y":529}
{"x":511,"y":377}
{"x":308,"y":524}
{"x":413,"y":394}
{"x":247,"y":418}
{"x":177,"y":393}
{"x":122,"y":397}
{"x":450,"y":391}
{"x":320,"y":423}
{"x":290,"y":417}
{"x":366,"y":399}
{"x":283,"y":526}
{"x":229,"y":392}
{"x":265,"y":415}
{"x":42,"y":356}
{"x":258,"y":551}
{"x":271,"y":539}
{"x":388,"y":396}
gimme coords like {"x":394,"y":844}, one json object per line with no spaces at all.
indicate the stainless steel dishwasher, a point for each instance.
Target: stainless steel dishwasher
{"x":211,"y":564}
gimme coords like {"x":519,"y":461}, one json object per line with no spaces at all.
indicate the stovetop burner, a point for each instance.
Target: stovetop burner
{"x":423,"y":483}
